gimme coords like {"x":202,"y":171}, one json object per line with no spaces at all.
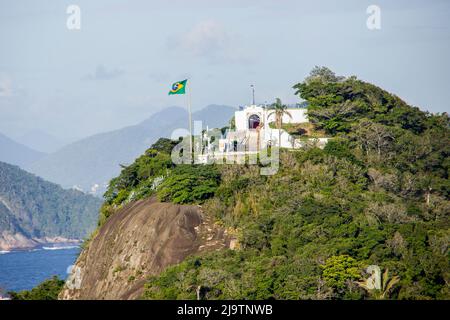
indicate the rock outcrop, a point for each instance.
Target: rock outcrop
{"x":10,"y":241}
{"x":140,"y":240}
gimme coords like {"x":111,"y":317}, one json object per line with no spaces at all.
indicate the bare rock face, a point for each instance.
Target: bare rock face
{"x":9,"y":241}
{"x":140,"y":240}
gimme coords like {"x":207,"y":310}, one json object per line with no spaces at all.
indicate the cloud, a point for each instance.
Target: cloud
{"x":5,"y":86}
{"x":101,"y":73}
{"x":208,"y":40}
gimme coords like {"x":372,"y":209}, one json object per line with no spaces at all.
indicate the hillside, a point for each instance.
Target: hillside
{"x":377,"y":194}
{"x":33,"y":210}
{"x":95,"y":160}
{"x":15,"y":153}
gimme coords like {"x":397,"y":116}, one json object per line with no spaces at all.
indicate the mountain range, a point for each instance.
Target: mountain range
{"x":88,"y":164}
{"x":41,"y":141}
{"x":34,"y":210}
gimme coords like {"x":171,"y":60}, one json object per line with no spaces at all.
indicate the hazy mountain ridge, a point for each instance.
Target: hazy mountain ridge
{"x":41,"y":141}
{"x":33,"y":210}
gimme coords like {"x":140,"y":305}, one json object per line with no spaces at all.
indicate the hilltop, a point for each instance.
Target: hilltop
{"x":376,"y":194}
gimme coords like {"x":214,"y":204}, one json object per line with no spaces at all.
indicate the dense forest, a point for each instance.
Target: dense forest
{"x":376,"y":194}
{"x":36,"y":208}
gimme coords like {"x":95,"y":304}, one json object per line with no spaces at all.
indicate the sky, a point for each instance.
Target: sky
{"x":116,"y":69}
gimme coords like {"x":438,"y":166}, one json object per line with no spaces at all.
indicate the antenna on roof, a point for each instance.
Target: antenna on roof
{"x":253,"y":94}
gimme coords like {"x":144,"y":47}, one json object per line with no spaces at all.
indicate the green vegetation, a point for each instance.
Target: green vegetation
{"x":377,"y":194}
{"x":386,"y":285}
{"x":187,"y":184}
{"x":36,"y":208}
{"x":302,"y":130}
{"x":140,"y":179}
{"x":338,"y":270}
{"x":338,"y":104}
{"x":47,"y":290}
{"x":154,"y":174}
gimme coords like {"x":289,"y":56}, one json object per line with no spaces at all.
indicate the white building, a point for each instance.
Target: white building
{"x":253,"y":133}
{"x":250,"y":117}
{"x":252,"y":129}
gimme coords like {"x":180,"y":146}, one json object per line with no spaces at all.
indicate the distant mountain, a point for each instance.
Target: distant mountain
{"x":91,"y":162}
{"x":41,"y":141}
{"x":33,"y":210}
{"x":15,"y":153}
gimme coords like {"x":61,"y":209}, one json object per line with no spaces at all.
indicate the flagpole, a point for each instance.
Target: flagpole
{"x":190,"y":118}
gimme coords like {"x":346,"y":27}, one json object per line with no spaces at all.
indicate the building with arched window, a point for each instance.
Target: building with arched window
{"x":253,"y":129}
{"x":254,"y":121}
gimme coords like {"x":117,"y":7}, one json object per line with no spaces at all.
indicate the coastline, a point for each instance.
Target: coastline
{"x":24,"y":269}
{"x":9,"y":242}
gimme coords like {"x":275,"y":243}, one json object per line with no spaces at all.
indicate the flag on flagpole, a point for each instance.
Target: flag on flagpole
{"x":178,"y":87}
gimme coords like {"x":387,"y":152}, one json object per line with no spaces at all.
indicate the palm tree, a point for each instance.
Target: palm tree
{"x":386,"y":285}
{"x":258,"y":130}
{"x":279,"y":110}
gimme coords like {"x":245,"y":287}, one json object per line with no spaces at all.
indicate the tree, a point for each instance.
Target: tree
{"x":335,"y":103}
{"x":374,"y":136}
{"x":164,"y":145}
{"x":279,"y":110}
{"x":323,"y":74}
{"x":188,"y":184}
{"x":337,"y":270}
{"x":334,"y":118}
{"x":47,"y":290}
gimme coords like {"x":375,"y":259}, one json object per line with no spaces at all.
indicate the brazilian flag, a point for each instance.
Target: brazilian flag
{"x":178,"y":87}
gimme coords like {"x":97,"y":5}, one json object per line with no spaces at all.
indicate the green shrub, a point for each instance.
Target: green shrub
{"x":189,"y":184}
{"x":337,"y":270}
{"x":47,"y":290}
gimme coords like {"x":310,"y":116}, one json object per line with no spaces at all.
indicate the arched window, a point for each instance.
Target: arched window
{"x":253,"y":121}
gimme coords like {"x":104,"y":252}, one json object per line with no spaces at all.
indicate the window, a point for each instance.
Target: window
{"x":253,"y":121}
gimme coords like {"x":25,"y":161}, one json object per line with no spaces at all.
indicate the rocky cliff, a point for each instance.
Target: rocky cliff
{"x":138,"y":241}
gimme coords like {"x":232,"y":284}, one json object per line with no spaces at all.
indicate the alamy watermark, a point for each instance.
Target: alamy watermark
{"x":215,"y":147}
{"x":374,"y":20}
{"x":74,"y":279}
{"x":73,"y":21}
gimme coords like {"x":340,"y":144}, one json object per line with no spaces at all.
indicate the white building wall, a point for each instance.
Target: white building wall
{"x":268,"y":134}
{"x":241,"y":117}
{"x":298,"y":116}
{"x":287,"y":141}
{"x":241,"y":120}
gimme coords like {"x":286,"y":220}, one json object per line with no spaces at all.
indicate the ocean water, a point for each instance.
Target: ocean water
{"x":24,"y":269}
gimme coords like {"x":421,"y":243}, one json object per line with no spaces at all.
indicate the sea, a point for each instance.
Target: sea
{"x":24,"y":269}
